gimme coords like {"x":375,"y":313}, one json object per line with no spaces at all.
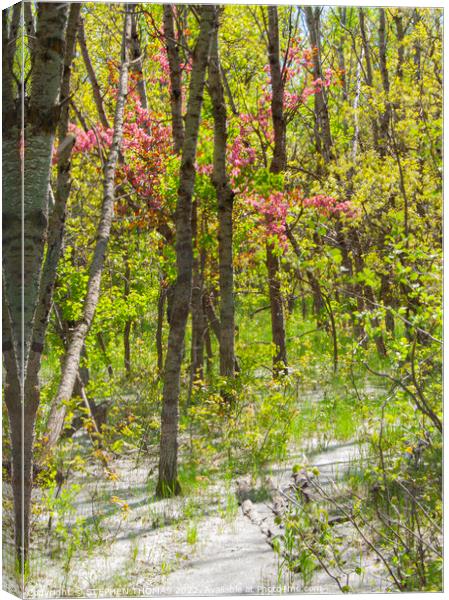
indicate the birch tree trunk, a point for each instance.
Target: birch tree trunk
{"x":72,"y":359}
{"x":225,"y":200}
{"x":278,"y":164}
{"x":22,"y":417}
{"x":168,"y":484}
{"x":27,"y":162}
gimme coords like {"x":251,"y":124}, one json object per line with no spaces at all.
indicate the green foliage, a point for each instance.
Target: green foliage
{"x":362,"y":292}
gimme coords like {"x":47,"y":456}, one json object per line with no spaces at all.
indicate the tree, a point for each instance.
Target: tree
{"x":225,"y":199}
{"x":71,"y":364}
{"x":168,"y":461}
{"x":278,"y":165}
{"x":27,"y":155}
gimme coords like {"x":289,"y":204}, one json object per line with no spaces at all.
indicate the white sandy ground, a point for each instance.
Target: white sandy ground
{"x":145,"y":549}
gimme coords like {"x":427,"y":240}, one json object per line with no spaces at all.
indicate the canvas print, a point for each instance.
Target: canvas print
{"x":222,"y":299}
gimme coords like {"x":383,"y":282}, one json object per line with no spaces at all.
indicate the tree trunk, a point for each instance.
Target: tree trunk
{"x":137,"y":59}
{"x":366,"y":53}
{"x":71,"y":364}
{"x":278,"y":164}
{"x":196,"y":308}
{"x":174,"y":64}
{"x":92,"y":77}
{"x":168,"y":464}
{"x":26,"y":159}
{"x":159,"y":328}
{"x":322,"y":130}
{"x":342,"y":11}
{"x":104,"y":351}
{"x":48,"y":88}
{"x":127,"y":330}
{"x":21,"y":403}
{"x":366,"y":49}
{"x":225,"y":200}
{"x":214,"y":321}
{"x":385,"y":116}
{"x":400,"y":33}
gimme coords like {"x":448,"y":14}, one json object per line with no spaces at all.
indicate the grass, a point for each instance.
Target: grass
{"x":192,"y":533}
{"x":325,"y":407}
{"x":231,"y":507}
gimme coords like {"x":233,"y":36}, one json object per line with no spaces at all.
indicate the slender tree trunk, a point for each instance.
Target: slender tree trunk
{"x":104,"y":351}
{"x":318,"y":300}
{"x":137,"y":59}
{"x":341,"y":53}
{"x":159,"y":328}
{"x":214,"y":321}
{"x":56,"y":226}
{"x":355,"y":106}
{"x":127,"y":329}
{"x":323,"y":138}
{"x":196,"y":308}
{"x":71,"y":364}
{"x":368,"y":70}
{"x":225,"y":199}
{"x":278,"y":164}
{"x":168,"y":464}
{"x":386,"y":115}
{"x":98,"y":99}
{"x":22,"y":416}
{"x":388,"y":300}
{"x":208,"y":347}
{"x":366,"y":49}
{"x":98,"y":416}
{"x":176,"y":98}
{"x":175,"y":78}
{"x":400,"y":33}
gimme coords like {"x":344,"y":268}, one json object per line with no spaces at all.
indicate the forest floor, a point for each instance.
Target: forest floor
{"x":208,"y":543}
{"x":185,"y":546}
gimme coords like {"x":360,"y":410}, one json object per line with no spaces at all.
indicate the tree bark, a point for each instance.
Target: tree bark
{"x":196,"y":307}
{"x":168,"y":464}
{"x":225,"y":200}
{"x":51,"y":49}
{"x":322,"y":130}
{"x":127,"y":329}
{"x":368,"y":70}
{"x":174,"y":64}
{"x":26,"y":158}
{"x":400,"y":33}
{"x":278,"y":164}
{"x":71,"y":364}
{"x":98,"y":99}
{"x":385,"y":116}
{"x":160,"y":328}
{"x":137,"y":58}
{"x":366,"y":49}
{"x":22,"y":416}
